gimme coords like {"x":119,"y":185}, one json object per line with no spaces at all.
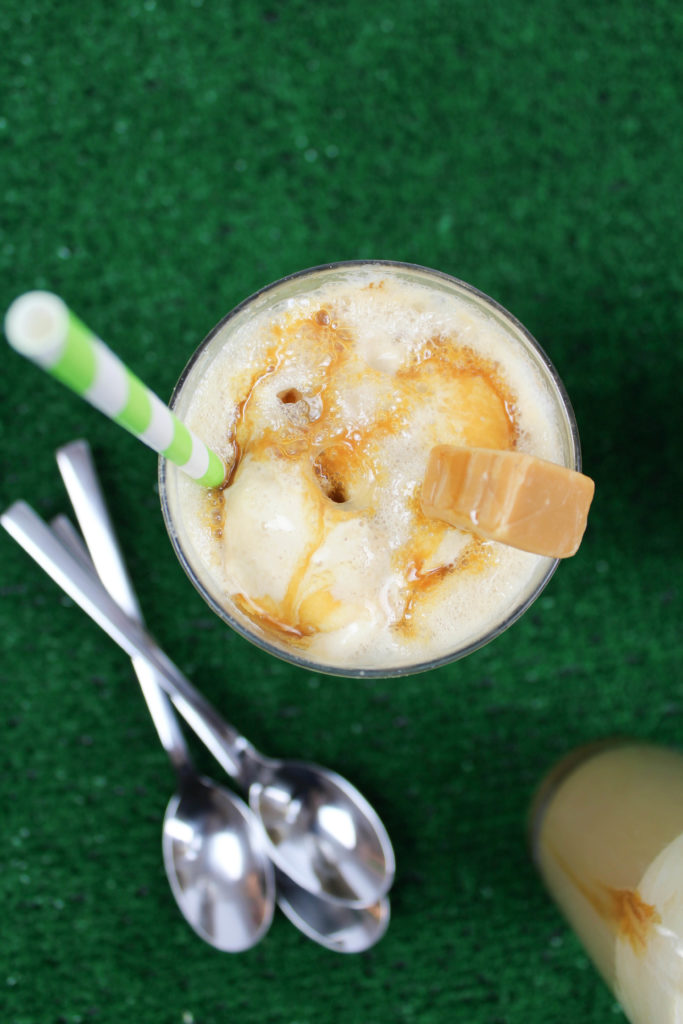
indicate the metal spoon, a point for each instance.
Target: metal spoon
{"x":311,"y":814}
{"x":342,"y":929}
{"x":321,"y":831}
{"x":333,"y":925}
{"x":229,"y":749}
{"x":214,"y":852}
{"x":336,"y":927}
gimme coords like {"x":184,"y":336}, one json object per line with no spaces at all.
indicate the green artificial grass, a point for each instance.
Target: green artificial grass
{"x":160,"y":161}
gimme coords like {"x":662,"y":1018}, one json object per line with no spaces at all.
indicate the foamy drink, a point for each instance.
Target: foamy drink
{"x":324,"y":394}
{"x":607,"y":835}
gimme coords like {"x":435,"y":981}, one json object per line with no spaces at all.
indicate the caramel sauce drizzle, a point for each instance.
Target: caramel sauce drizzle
{"x":345,"y":462}
{"x":272,"y":623}
{"x":283,"y":619}
{"x":424,"y":582}
{"x":238,"y":439}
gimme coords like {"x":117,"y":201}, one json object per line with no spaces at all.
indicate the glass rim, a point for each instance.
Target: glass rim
{"x":291,"y":656}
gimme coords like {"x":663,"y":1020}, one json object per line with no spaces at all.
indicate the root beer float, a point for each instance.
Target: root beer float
{"x":325,"y":394}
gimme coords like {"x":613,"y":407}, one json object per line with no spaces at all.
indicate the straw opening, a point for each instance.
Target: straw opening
{"x":37,"y":324}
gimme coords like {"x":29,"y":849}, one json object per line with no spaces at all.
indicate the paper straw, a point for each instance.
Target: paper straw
{"x":41,"y":327}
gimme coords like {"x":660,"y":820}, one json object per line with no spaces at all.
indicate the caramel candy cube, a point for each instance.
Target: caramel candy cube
{"x":508,"y":496}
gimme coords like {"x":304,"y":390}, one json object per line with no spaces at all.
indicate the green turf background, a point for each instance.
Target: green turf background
{"x":161,"y":160}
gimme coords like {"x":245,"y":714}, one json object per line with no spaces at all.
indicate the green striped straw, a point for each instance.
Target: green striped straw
{"x":41,"y":327}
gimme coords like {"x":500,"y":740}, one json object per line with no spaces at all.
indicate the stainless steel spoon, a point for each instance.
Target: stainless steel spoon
{"x":321,"y":831}
{"x":213,"y":847}
{"x":340,"y":928}
{"x":330,"y":924}
{"x":323,"y":834}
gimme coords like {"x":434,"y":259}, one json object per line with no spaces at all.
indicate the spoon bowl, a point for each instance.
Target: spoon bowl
{"x":321,"y":830}
{"x":214,"y":858}
{"x":339,"y":928}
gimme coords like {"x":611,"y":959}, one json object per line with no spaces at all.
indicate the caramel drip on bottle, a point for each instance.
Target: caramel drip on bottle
{"x":624,"y":910}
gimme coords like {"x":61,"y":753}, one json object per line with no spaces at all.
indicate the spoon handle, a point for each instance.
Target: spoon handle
{"x":83,"y":587}
{"x":77,"y":467}
{"x":158,"y":704}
